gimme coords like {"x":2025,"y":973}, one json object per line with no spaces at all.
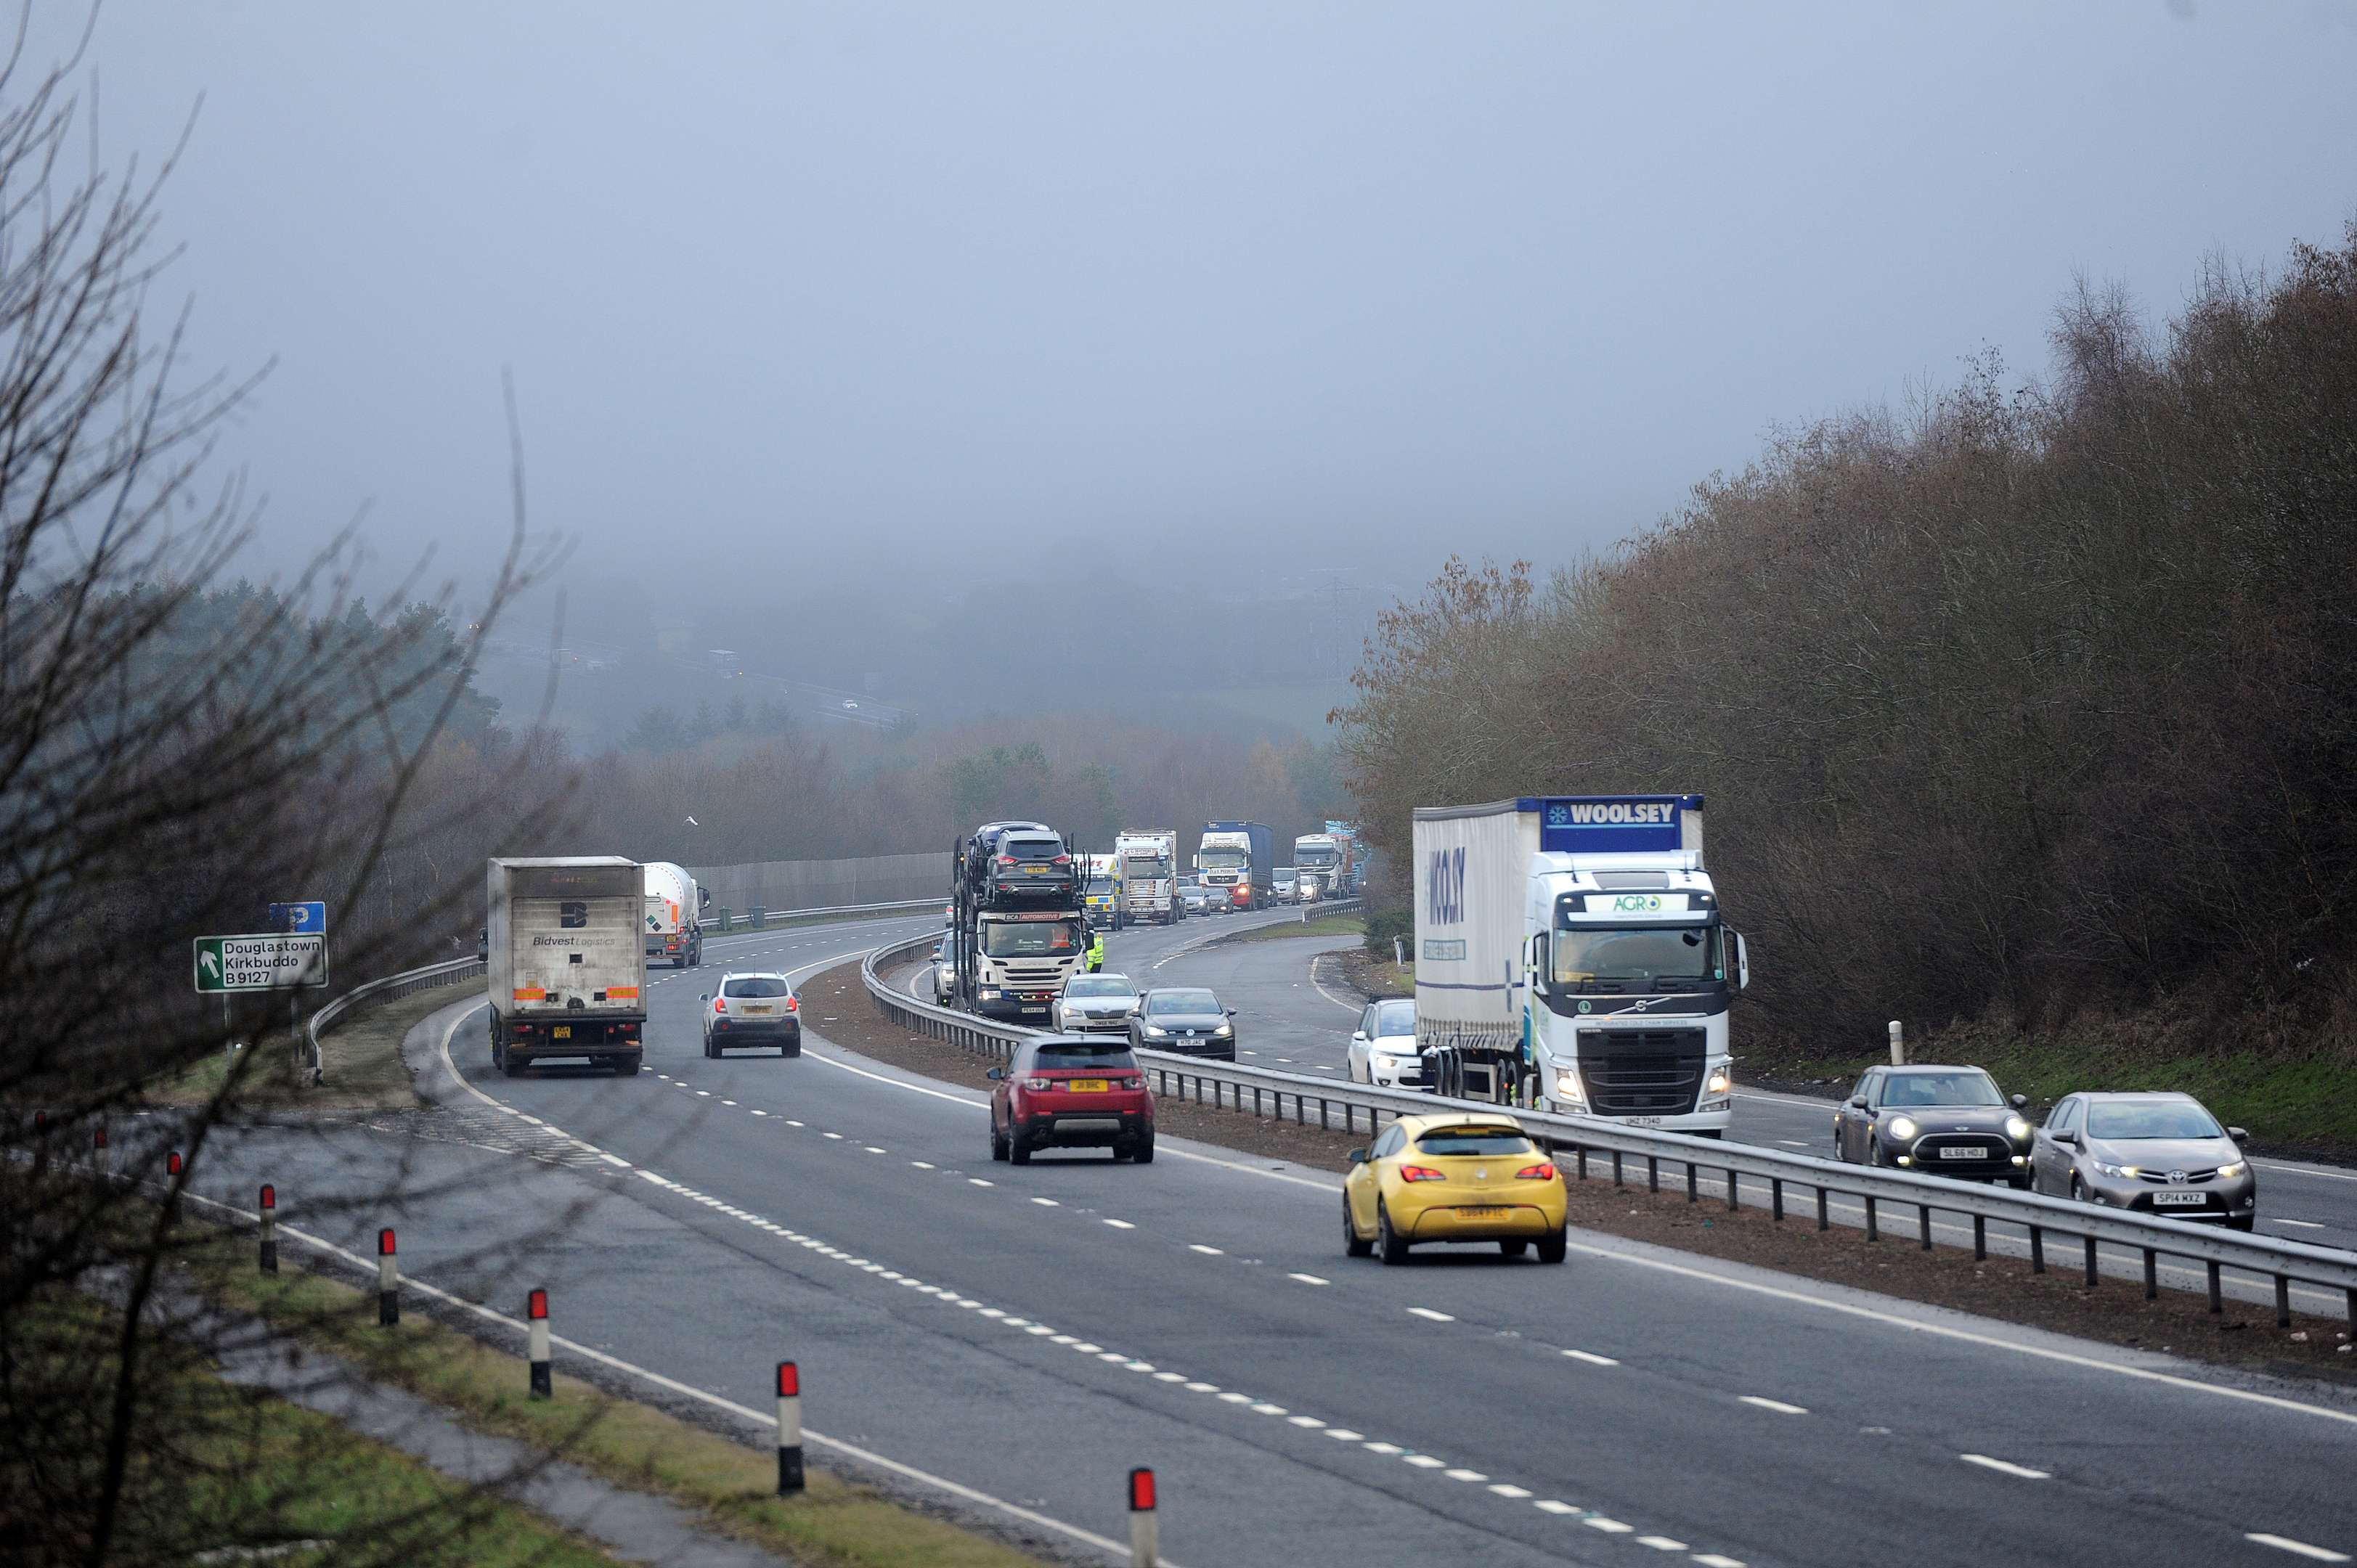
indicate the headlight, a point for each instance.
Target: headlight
{"x":1718,"y":1084}
{"x":2016,"y":1128}
{"x":2103,"y":1169}
{"x":989,"y":994}
{"x":1225,"y":1029}
{"x":1566,"y":1086}
{"x":2237,"y":1168}
{"x":1903,"y":1128}
{"x":1387,"y":1063}
{"x":1154,"y":1034}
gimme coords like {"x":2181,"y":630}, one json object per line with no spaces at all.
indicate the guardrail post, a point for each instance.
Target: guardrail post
{"x":1873,"y":1227}
{"x":1775,"y":1196}
{"x":1923,"y":1224}
{"x":2217,"y":1301}
{"x":1825,"y":1219}
{"x":1980,"y":1238}
{"x":1322,"y":1115}
{"x":1692,"y":1197}
{"x":2036,"y":1250}
{"x":1734,"y":1200}
{"x":2353,"y":1311}
{"x":2151,"y":1274}
{"x":2091,"y":1263}
{"x":1616,"y":1168}
{"x":1653,"y":1174}
{"x":2283,"y":1300}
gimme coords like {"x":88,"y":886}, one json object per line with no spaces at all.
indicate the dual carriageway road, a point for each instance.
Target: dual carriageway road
{"x":1029,"y":1334}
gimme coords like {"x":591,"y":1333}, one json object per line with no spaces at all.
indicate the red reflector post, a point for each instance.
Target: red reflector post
{"x":172,"y":1164}
{"x":790,"y":1429}
{"x":269,"y":1196}
{"x":1141,"y":1488}
{"x":387,"y":1292}
{"x":384,"y":1243}
{"x":1145,"y":1527}
{"x":536,"y":1308}
{"x":790,"y":1379}
{"x":268,"y":1206}
{"x":536,"y":1304}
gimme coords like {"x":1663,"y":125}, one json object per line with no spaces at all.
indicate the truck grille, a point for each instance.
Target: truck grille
{"x":1655,"y":1072}
{"x":1051,"y":975}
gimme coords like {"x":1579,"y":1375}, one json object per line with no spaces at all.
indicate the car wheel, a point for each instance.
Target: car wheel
{"x":1393,"y":1245}
{"x":1018,"y":1149}
{"x":790,"y":1048}
{"x":2242,"y":1221}
{"x":2019,"y":1183}
{"x":1874,"y":1154}
{"x":997,"y":1146}
{"x":2078,"y":1188}
{"x":1143,"y":1153}
{"x":1514,"y":1249}
{"x":1351,"y":1245}
{"x":1552,"y":1247}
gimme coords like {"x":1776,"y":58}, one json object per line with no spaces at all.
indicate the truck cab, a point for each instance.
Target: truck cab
{"x":1628,"y":970}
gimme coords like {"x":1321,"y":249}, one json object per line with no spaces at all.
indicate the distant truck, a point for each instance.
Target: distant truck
{"x":1321,"y":864}
{"x":1014,"y":920}
{"x":674,"y":916}
{"x":1571,"y":955}
{"x":1239,"y":859}
{"x":1149,"y":875}
{"x":568,"y":969}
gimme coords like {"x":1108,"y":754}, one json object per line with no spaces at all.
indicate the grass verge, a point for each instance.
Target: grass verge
{"x":1328,"y":926}
{"x":361,"y":1055}
{"x":836,"y":1522}
{"x":227,"y":1473}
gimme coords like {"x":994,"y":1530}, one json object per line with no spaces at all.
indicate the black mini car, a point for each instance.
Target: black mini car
{"x":1942,"y":1121}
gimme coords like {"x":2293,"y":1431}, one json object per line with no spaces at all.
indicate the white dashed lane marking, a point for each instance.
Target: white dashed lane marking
{"x":2299,"y":1548}
{"x":1426,"y":1312}
{"x":1779,"y":1406}
{"x":2005,"y":1467}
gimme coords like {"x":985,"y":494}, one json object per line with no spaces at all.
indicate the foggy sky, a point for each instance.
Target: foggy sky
{"x":1208,"y":291}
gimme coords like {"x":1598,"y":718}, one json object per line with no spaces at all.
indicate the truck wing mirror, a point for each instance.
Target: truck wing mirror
{"x":1742,"y":963}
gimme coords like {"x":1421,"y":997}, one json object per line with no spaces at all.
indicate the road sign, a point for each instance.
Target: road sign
{"x":263,"y":962}
{"x":299,"y":920}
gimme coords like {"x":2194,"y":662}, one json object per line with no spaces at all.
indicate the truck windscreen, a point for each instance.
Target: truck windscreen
{"x":1223,"y":859}
{"x":1315,"y":857}
{"x":1030,"y":939}
{"x":1648,"y":959}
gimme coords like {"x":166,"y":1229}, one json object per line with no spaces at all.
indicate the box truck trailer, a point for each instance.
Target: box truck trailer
{"x":568,"y":964}
{"x":1571,"y":955}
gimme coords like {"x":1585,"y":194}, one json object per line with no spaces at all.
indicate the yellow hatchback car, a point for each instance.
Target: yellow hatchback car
{"x":1464,"y":1178}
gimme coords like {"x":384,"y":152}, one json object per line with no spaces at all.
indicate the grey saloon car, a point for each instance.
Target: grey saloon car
{"x":1944,"y":1120}
{"x":2152,"y":1153}
{"x":1188,"y":1019}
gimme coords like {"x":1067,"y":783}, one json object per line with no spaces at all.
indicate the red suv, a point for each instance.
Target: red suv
{"x":1072,"y":1092}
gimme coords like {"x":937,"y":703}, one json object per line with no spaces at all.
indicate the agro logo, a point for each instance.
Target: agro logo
{"x":1444,"y":886}
{"x":1637,"y":904}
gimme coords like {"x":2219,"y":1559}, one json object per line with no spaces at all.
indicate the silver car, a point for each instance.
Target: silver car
{"x":1196,"y":898}
{"x":2152,"y":1153}
{"x":1096,"y":1005}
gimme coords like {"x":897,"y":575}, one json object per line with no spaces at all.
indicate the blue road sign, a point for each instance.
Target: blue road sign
{"x":299,"y":920}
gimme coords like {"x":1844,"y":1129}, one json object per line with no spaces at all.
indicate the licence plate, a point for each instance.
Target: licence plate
{"x":1498,"y":1213}
{"x":1964,"y":1151}
{"x":562,"y":1031}
{"x":1038,"y":870}
{"x":757,"y":1009}
{"x":1087,"y":1085}
{"x":2166,"y":1200}
{"x":1641,"y":1121}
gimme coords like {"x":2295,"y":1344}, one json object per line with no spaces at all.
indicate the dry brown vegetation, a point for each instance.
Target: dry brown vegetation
{"x":2034,"y":709}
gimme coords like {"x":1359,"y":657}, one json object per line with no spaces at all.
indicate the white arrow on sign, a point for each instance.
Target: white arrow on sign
{"x":211,"y":962}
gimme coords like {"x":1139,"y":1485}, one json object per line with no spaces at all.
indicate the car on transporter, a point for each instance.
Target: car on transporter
{"x":755,"y":1008}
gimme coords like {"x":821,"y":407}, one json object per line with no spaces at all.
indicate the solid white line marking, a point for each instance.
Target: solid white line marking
{"x":1308,"y":1279}
{"x":2303,"y":1224}
{"x":2004,"y":1467}
{"x":1121,"y":1225}
{"x":1428,"y":1313}
{"x":2286,"y":1543}
{"x":614,"y":1159}
{"x":1591,"y":1361}
{"x":1777,"y":1405}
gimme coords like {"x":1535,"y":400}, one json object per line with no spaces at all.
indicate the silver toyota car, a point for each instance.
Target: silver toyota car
{"x":2153,"y":1153}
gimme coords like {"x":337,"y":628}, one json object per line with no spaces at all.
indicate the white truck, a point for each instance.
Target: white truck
{"x":568,"y":969}
{"x":1321,"y":867}
{"x":674,"y":917}
{"x":1571,"y":956}
{"x":1148,"y":859}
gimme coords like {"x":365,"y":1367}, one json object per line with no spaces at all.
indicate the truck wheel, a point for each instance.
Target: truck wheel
{"x":514,"y":1069}
{"x":627,"y":1067}
{"x":1392,"y":1243}
{"x":1553,"y":1247}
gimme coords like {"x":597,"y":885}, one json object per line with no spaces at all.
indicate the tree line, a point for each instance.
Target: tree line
{"x":2034,"y":705}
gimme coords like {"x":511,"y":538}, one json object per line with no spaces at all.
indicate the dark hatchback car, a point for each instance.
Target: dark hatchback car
{"x":1072,"y":1092}
{"x":1030,"y":867}
{"x":1942,"y":1121}
{"x":1186,"y":1019}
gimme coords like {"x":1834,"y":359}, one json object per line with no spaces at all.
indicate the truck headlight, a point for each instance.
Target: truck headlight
{"x":990,"y":994}
{"x":1566,"y":1086}
{"x":1718,"y":1084}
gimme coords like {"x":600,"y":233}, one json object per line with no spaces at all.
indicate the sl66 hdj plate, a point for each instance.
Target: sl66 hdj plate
{"x":1964,"y":1151}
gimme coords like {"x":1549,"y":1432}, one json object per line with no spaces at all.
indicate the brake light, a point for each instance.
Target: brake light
{"x":1038,"y":1084}
{"x":1063,"y":860}
{"x":1421,"y":1173}
{"x":1536,"y":1173}
{"x":719,"y":1005}
{"x":793,"y":1004}
{"x":1005,"y":860}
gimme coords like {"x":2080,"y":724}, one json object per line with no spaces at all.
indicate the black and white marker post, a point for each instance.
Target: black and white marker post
{"x":388,"y":1297}
{"x":790,"y":1430}
{"x":536,"y":1313}
{"x":268,"y":1209}
{"x":1145,"y":1530}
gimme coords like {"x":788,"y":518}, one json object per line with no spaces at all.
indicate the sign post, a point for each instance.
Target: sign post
{"x":269,"y":960}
